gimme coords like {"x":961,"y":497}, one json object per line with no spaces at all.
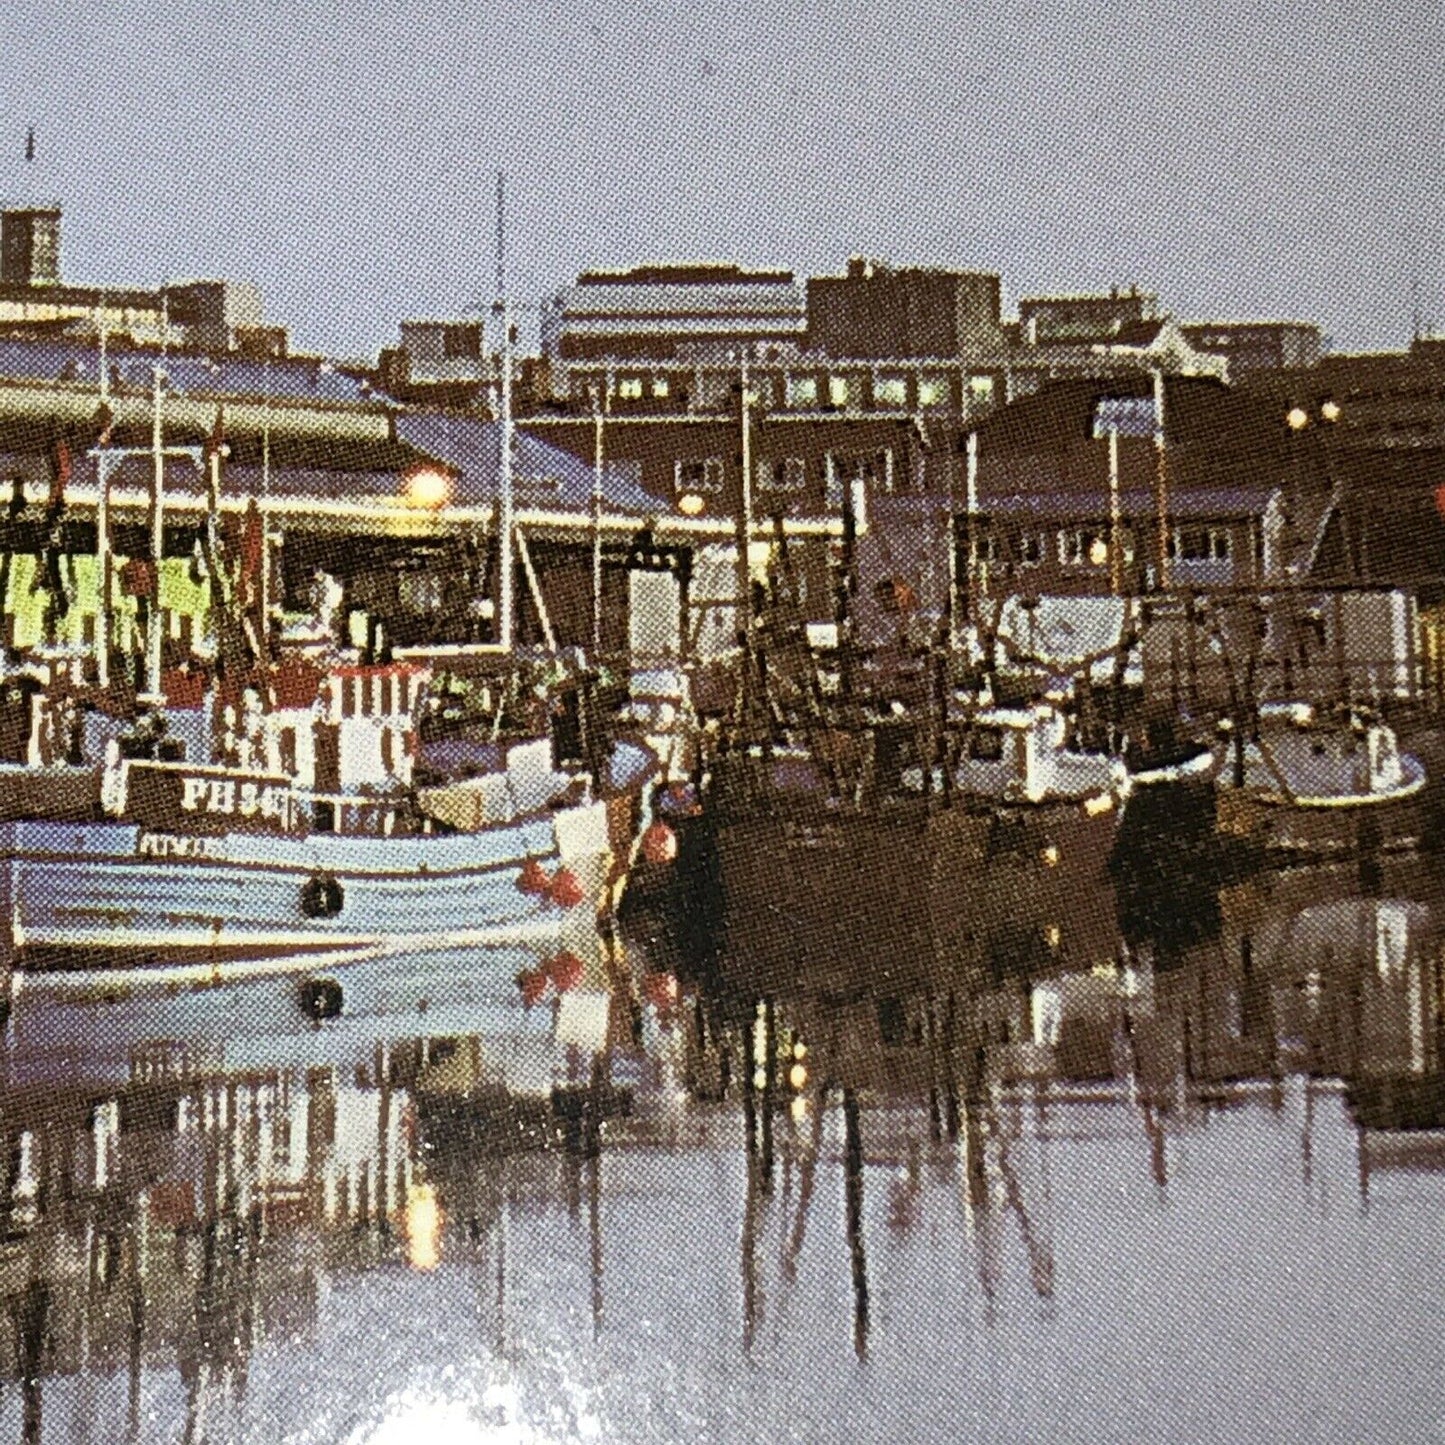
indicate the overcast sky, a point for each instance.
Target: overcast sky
{"x":1241,"y":158}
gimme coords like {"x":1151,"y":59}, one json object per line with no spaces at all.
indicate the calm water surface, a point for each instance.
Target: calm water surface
{"x":1126,"y":1202}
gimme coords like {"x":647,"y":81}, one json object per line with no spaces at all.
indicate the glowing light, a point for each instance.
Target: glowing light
{"x":1330,"y":410}
{"x":1298,"y":418}
{"x":1051,"y":854}
{"x":423,"y":1227}
{"x":799,"y":1108}
{"x":690,"y":504}
{"x":428,"y":488}
{"x":798,"y":1076}
{"x":1052,"y":935}
{"x":800,"y":1050}
{"x":1094,"y":806}
{"x":760,"y":1078}
{"x":1098,"y":551}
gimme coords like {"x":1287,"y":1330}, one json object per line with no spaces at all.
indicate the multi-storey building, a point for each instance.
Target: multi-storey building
{"x":208,"y":315}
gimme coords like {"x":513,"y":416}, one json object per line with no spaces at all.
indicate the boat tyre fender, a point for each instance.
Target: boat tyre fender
{"x":321,"y":998}
{"x":321,"y":896}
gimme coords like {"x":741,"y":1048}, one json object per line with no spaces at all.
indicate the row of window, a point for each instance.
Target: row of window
{"x":1089,"y":547}
{"x":804,"y":391}
{"x":786,"y":474}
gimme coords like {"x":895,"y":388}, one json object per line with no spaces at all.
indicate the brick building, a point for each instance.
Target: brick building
{"x":875,"y":312}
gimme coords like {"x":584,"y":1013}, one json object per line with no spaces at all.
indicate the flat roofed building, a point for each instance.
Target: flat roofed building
{"x":1257,"y":345}
{"x":1048,"y":319}
{"x":658,"y":312}
{"x":878,"y":312}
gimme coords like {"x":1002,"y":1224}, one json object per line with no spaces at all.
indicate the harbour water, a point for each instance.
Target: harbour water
{"x":1130,"y":1202}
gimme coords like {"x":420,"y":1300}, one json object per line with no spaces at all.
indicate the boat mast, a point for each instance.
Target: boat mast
{"x":971,"y":505}
{"x":1161,"y":477}
{"x":505,"y":522}
{"x":743,"y":538}
{"x":153,"y":629}
{"x":102,"y":512}
{"x":599,"y":411}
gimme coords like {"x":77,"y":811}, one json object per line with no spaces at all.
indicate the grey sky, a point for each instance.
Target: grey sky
{"x":1246,"y":157}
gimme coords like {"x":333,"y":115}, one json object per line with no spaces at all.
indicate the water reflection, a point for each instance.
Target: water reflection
{"x":221,"y":1221}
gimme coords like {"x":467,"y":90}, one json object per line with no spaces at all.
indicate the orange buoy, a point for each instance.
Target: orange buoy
{"x":566,"y":971}
{"x":533,"y":878}
{"x":659,"y":843}
{"x":566,"y":890}
{"x":533,"y":983}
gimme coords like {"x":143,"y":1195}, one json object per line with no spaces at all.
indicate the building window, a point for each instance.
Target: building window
{"x":760,"y":391}
{"x":461,"y":341}
{"x":1031,"y":549}
{"x":659,"y":386}
{"x":872,"y":469}
{"x":980,"y":389}
{"x":891,"y":392}
{"x":629,"y":388}
{"x":984,"y":547}
{"x":1200,"y":544}
{"x":840,"y":391}
{"x":1083,"y":547}
{"x":701,"y":476}
{"x":783,"y":474}
{"x":802,"y":391}
{"x":932,"y":390}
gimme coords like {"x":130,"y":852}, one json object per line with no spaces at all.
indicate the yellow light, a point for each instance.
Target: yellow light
{"x":1051,"y":854}
{"x":800,"y":1050}
{"x":798,"y":1076}
{"x":1101,"y":804}
{"x":423,"y":1227}
{"x":799,"y":1108}
{"x":1052,"y":935}
{"x":1098,"y":551}
{"x":428,"y":488}
{"x":1298,"y":418}
{"x":760,"y":1079}
{"x":690,"y":504}
{"x":1330,"y":410}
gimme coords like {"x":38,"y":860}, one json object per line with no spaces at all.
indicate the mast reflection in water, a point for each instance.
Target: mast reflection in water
{"x":1182,"y":1184}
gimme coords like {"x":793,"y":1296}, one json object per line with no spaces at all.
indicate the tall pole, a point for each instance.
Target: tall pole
{"x":153,"y":631}
{"x":1116,"y":557}
{"x":102,"y":516}
{"x":505,"y":525}
{"x":1161,"y":477}
{"x":971,"y":509}
{"x":745,"y":516}
{"x":265,"y":579}
{"x":598,"y":410}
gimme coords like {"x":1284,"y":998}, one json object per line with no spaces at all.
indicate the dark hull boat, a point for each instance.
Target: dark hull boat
{"x":907,"y":884}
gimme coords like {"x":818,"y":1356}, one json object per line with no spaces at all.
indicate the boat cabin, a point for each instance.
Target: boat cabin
{"x":1022,"y":754}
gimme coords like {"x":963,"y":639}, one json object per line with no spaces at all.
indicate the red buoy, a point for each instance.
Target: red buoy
{"x":566,"y":891}
{"x":533,"y":878}
{"x":566,"y":971}
{"x":533,"y":983}
{"x":659,"y":843}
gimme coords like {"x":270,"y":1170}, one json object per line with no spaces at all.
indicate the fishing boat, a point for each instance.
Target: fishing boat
{"x":1310,"y":785}
{"x":266,"y":816}
{"x":314,"y":844}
